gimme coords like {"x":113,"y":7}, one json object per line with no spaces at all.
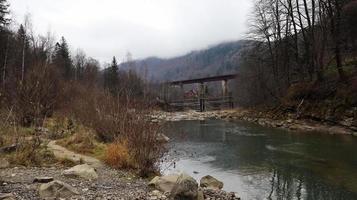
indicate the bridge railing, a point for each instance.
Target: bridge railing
{"x":203,"y":104}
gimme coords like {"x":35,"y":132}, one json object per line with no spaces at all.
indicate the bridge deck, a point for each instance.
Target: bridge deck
{"x":205,"y":80}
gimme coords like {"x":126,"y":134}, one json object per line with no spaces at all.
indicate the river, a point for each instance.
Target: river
{"x":264,"y":163}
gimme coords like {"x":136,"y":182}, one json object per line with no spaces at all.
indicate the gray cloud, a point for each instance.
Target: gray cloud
{"x":163,"y":28}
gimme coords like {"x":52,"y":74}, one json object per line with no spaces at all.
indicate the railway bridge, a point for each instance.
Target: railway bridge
{"x":200,"y":100}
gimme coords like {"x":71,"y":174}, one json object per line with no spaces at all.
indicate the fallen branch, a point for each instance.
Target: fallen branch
{"x":9,"y":149}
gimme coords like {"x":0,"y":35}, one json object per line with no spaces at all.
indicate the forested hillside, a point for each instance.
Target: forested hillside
{"x":305,"y":63}
{"x":220,"y":59}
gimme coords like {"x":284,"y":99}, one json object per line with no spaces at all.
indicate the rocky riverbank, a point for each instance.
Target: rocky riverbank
{"x":268,"y":119}
{"x":53,"y":183}
{"x":19,"y":182}
{"x":182,"y":186}
{"x":94,"y":180}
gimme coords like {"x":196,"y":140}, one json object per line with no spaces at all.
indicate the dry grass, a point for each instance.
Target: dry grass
{"x":59,"y":127}
{"x":117,"y":156}
{"x":67,"y":162}
{"x":30,"y":150}
{"x":84,"y":141}
{"x":29,"y":154}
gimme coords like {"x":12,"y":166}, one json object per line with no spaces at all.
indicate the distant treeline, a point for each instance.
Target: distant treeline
{"x":298,"y":41}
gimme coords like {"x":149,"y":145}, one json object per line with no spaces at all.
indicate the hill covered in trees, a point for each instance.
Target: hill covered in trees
{"x":224,"y":58}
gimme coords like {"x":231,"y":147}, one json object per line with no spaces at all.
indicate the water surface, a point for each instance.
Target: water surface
{"x":265,"y":163}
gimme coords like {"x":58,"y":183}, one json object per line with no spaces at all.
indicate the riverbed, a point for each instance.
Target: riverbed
{"x":264,"y":163}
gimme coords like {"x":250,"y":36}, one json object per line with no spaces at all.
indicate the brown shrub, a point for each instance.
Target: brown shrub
{"x":36,"y":97}
{"x":117,"y":155}
{"x":310,"y":91}
{"x":144,"y":146}
{"x":116,"y":118}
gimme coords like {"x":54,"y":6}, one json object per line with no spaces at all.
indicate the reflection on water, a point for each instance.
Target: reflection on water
{"x":264,"y":163}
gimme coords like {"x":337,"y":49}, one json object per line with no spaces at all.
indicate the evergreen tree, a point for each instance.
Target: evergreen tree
{"x":23,"y":46}
{"x":3,"y":12}
{"x":113,"y":76}
{"x":62,"y":59}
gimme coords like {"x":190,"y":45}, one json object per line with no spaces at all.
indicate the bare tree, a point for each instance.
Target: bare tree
{"x":79,"y":61}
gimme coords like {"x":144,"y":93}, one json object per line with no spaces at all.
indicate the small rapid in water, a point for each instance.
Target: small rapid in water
{"x":264,"y":163}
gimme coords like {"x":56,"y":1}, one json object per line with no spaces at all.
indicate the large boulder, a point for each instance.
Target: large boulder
{"x":162,"y":138}
{"x":186,"y":188}
{"x":164,"y":183}
{"x":84,"y":171}
{"x":211,"y":183}
{"x":4,"y":163}
{"x":56,"y":189}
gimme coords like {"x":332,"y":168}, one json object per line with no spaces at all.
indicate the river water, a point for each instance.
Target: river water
{"x":264,"y":163}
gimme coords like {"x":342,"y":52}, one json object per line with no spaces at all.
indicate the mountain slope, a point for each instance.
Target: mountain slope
{"x":216,"y":60}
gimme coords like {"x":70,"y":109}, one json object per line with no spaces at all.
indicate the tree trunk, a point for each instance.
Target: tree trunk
{"x":5,"y":62}
{"x":338,"y":42}
{"x":23,"y":62}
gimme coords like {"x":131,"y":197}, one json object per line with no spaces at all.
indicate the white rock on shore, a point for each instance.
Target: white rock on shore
{"x":83,"y":171}
{"x":164,"y":183}
{"x":211,"y":183}
{"x":56,"y":189}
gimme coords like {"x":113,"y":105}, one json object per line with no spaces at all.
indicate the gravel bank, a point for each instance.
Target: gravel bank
{"x":261,"y":118}
{"x":111,"y":184}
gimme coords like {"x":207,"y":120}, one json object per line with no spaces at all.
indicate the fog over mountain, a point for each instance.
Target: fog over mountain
{"x":224,"y":58}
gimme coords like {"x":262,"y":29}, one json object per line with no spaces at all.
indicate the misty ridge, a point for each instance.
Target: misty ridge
{"x":215,"y":60}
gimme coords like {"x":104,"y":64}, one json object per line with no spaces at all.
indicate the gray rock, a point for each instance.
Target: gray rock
{"x":347,"y":122}
{"x":56,"y":189}
{"x":219,"y":194}
{"x":9,"y":149}
{"x":200,"y":195}
{"x":164,"y":183}
{"x":211,"y":183}
{"x":186,"y":188}
{"x":4,"y":163}
{"x":82,"y":171}
{"x":156,"y":195}
{"x":162,"y":138}
{"x":354,"y":123}
{"x":7,"y":196}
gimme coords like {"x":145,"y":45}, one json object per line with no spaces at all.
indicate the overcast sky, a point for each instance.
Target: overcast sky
{"x":164,"y":28}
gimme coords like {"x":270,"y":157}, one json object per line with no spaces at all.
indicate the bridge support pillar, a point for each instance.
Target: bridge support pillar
{"x":202,"y":92}
{"x":225,"y":88}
